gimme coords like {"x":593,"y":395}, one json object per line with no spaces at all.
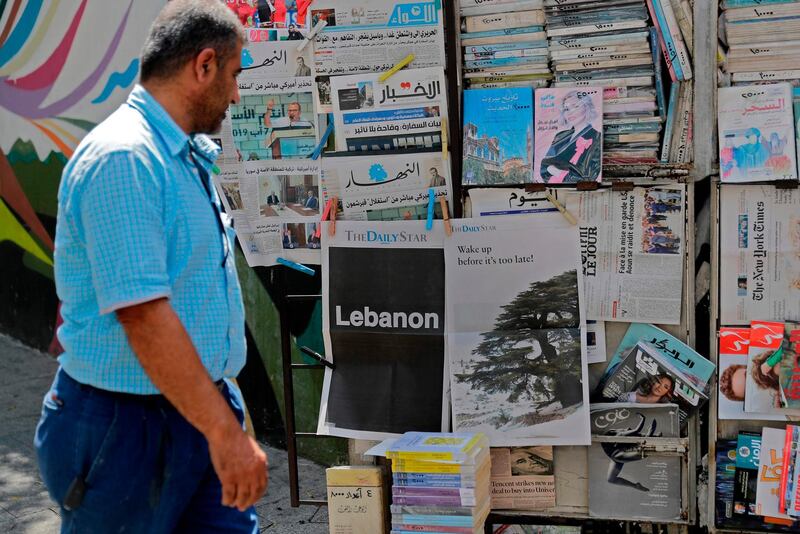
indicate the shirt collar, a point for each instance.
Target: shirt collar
{"x":172,"y":134}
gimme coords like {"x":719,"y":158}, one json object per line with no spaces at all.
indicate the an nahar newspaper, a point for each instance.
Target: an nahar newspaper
{"x":760,"y":254}
{"x":516,"y":332}
{"x":384,"y":329}
{"x":393,"y":187}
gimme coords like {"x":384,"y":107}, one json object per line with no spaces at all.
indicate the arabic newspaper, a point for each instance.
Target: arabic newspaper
{"x":383,"y":326}
{"x":405,"y":111}
{"x":275,"y":119}
{"x":267,"y":60}
{"x":760,"y":254}
{"x":393,"y":188}
{"x":276,"y":209}
{"x":360,"y":39}
{"x":517,"y":337}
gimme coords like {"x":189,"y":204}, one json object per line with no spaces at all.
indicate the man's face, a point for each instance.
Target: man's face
{"x":212,"y":104}
{"x":310,"y":194}
{"x":294,"y":112}
{"x":300,"y":62}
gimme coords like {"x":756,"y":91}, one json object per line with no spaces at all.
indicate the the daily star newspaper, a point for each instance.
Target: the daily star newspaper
{"x":383,"y":321}
{"x":404,"y":112}
{"x":372,"y":37}
{"x":516,"y":332}
{"x":631,"y":244}
{"x":760,"y":254}
{"x":276,"y":209}
{"x":392,"y":187}
{"x":632,"y":249}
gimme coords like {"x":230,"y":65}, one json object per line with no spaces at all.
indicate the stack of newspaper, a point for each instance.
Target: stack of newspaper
{"x":609,"y":44}
{"x":762,"y":38}
{"x":504,"y":43}
{"x":440,"y":482}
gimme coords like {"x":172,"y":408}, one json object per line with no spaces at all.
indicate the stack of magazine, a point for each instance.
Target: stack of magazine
{"x":504,"y":43}
{"x":609,"y":44}
{"x":757,"y":480}
{"x":762,"y":37}
{"x":652,"y":383}
{"x":759,"y":371}
{"x":440,"y":482}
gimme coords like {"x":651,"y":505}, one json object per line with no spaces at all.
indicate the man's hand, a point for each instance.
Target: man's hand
{"x":241,"y":466}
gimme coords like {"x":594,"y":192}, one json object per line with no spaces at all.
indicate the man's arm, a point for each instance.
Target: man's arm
{"x":169,"y":358}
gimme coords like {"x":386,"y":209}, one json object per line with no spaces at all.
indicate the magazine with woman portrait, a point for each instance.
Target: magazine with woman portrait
{"x":568,"y":134}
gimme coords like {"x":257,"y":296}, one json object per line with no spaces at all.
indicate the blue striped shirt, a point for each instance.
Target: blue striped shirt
{"x":135,"y":224}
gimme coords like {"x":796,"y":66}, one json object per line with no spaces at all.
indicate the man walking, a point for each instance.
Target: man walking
{"x":141,"y":431}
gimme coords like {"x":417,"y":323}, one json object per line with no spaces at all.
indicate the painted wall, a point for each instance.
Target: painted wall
{"x":64,"y":66}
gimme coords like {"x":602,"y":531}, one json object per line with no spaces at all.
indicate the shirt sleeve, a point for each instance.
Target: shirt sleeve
{"x":121,"y":214}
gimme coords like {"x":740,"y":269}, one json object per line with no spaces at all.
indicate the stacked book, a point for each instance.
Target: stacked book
{"x":763,"y":37}
{"x":504,"y":44}
{"x":609,"y":44}
{"x":440,"y":482}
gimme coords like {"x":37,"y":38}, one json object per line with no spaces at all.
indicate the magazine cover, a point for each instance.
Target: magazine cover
{"x":756,"y":133}
{"x":734,"y":347}
{"x":748,"y":450}
{"x":516,"y":332}
{"x":695,"y":367}
{"x":791,"y":446}
{"x":568,"y":136}
{"x":762,"y":391}
{"x":523,"y":478}
{"x":498,"y":136}
{"x":626,"y":483}
{"x":645,"y":376}
{"x":635,"y":419}
{"x":789,"y":369}
{"x":769,"y":474}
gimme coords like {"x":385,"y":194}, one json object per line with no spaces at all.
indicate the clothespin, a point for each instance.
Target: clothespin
{"x":444,"y":138}
{"x":567,"y":215}
{"x":391,"y":72}
{"x":332,"y":216}
{"x":296,"y":266}
{"x":313,"y":33}
{"x":318,"y":150}
{"x":325,"y":213}
{"x":431,"y":202}
{"x":448,"y":229}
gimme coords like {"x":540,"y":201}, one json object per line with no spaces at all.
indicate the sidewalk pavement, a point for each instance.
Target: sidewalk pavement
{"x":25,"y":376}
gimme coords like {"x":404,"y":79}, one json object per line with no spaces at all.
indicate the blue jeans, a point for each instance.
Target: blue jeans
{"x":130,"y":463}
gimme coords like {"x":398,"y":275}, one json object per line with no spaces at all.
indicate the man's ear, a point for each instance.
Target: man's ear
{"x":205,"y":65}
